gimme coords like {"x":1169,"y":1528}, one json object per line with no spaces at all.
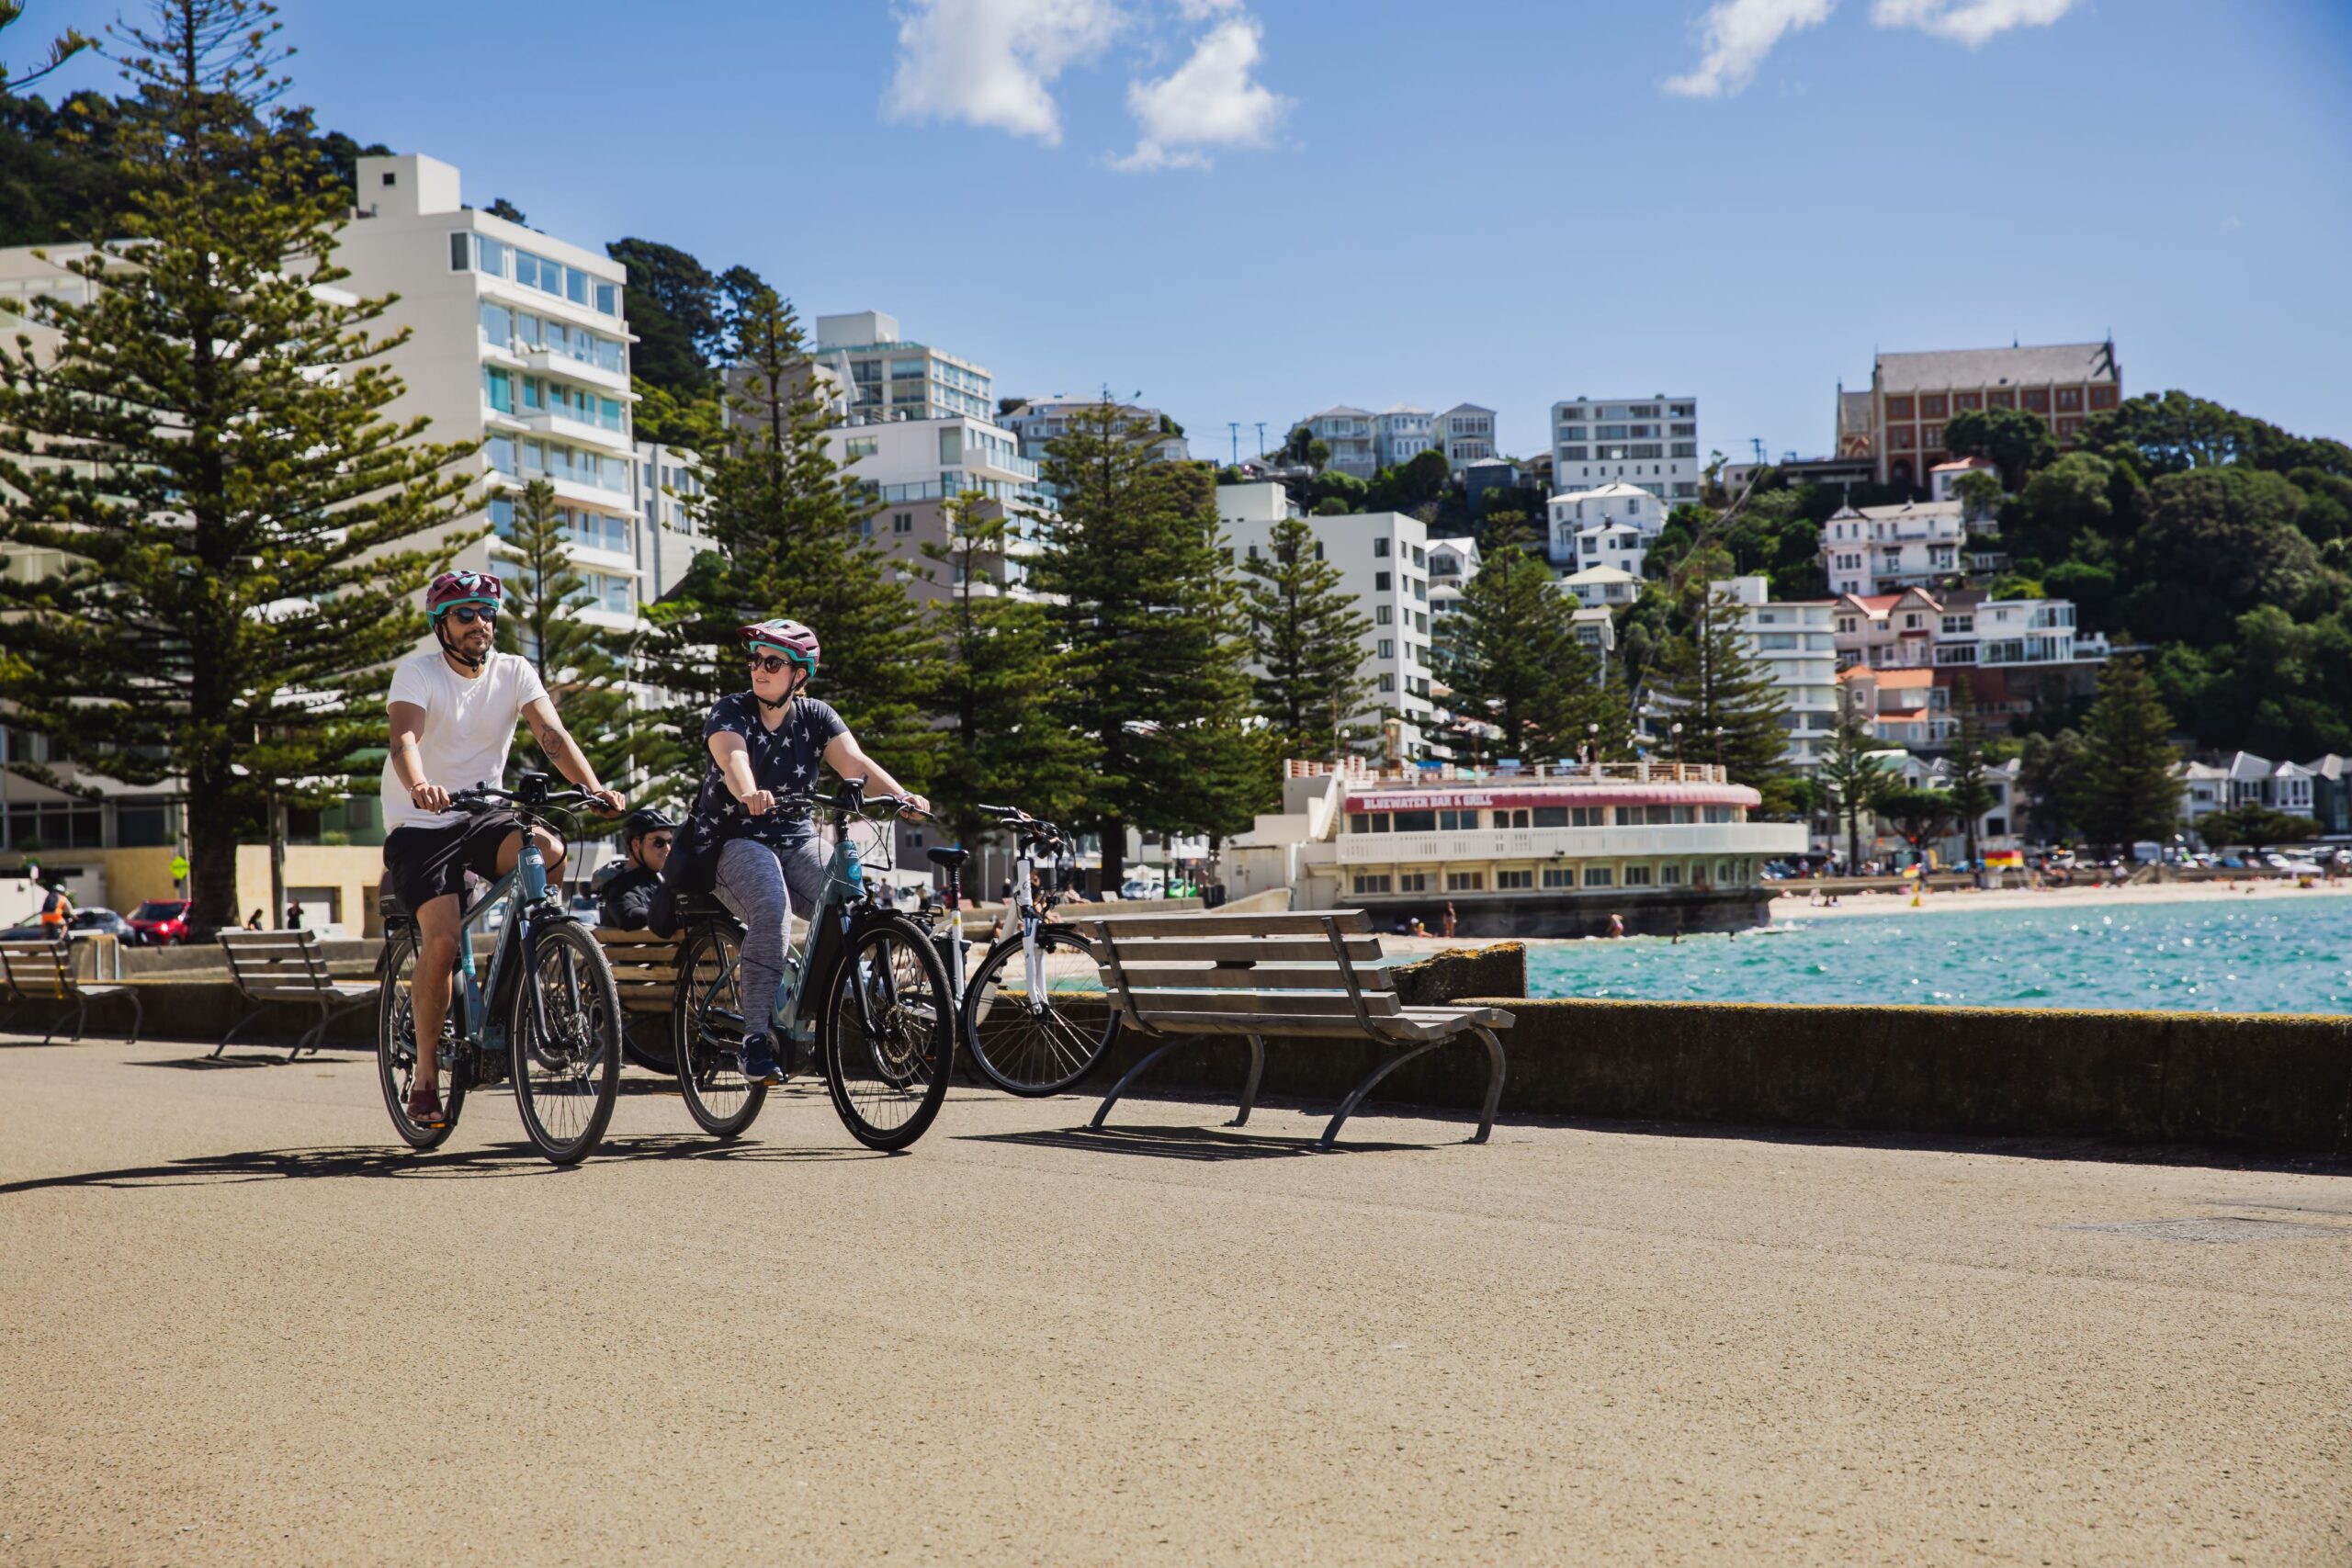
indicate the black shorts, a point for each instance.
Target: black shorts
{"x":423,"y":863}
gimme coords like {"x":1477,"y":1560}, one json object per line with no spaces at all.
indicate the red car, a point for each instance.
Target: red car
{"x":161,"y":922}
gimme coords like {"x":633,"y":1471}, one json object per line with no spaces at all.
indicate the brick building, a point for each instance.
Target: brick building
{"x":1899,"y":422}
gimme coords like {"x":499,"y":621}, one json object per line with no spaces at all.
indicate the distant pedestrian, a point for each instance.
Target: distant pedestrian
{"x":1419,"y":929}
{"x":1449,"y":917}
{"x":1616,"y":925}
{"x":293,"y":917}
{"x":253,"y":921}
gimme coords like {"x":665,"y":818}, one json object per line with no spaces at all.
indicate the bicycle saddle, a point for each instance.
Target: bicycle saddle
{"x":947,"y":855}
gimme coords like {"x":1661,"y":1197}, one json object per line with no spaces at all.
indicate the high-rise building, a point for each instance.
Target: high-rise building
{"x":911,"y":469}
{"x":1382,"y":558}
{"x":670,"y":528}
{"x":1796,"y":642}
{"x":875,"y":375}
{"x":1649,"y":442}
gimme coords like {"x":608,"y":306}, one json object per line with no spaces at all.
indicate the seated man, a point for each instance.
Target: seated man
{"x":624,"y":889}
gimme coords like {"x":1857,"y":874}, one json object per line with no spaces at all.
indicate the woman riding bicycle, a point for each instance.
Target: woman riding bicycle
{"x":766,"y":742}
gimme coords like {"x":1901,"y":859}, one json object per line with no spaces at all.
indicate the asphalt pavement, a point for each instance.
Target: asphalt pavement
{"x":239,"y":1324}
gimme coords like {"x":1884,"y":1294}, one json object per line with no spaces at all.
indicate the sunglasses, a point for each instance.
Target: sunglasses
{"x":774,"y":664}
{"x":466,"y":614}
{"x":659,"y":842}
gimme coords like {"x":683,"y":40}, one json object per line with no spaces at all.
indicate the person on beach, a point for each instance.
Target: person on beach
{"x":1616,"y":925}
{"x":1449,"y":917}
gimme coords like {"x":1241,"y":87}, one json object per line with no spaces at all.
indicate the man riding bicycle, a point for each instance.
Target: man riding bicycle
{"x":452,"y":714}
{"x":766,"y":742}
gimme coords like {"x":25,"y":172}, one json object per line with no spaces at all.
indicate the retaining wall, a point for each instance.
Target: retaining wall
{"x":2278,"y":1084}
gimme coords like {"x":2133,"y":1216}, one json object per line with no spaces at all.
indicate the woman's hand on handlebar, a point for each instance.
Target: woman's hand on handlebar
{"x":758,"y":803}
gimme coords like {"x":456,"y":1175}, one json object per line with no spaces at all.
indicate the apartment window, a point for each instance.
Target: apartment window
{"x":1599,"y":877}
{"x":1507,"y":880}
{"x":1380,"y":550}
{"x":1559,"y":876}
{"x":1387,"y":648}
{"x":902,"y":523}
{"x":1637,"y":876}
{"x":1465,"y":881}
{"x":501,"y":453}
{"x":858,"y":447}
{"x":1721,"y":813}
{"x":2102,"y":398}
{"x":1456,"y":821}
{"x":1932,"y":406}
{"x":2070,"y":400}
{"x":499,"y":386}
{"x":1380,"y":583}
{"x":1368,"y":883}
{"x":1382,"y":615}
{"x":497,"y":324}
{"x":1416,"y":821}
{"x":1900,"y":408}
{"x":1412,"y":882}
{"x":2036,"y":400}
{"x":1931,"y":438}
{"x":1387,"y":682}
{"x":2002,"y":399}
{"x":1669,"y":874}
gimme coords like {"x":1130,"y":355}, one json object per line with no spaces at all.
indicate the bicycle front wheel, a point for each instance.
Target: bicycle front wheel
{"x":567,"y":1039}
{"x":888,"y":1031}
{"x":1036,"y":1039}
{"x":396,"y":1050}
{"x":708,"y":1017}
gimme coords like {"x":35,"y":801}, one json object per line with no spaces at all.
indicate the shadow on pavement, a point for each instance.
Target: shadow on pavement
{"x":497,"y":1160}
{"x":1178,"y":1142}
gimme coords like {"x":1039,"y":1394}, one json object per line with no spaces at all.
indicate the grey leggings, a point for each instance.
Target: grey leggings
{"x":761,"y":884}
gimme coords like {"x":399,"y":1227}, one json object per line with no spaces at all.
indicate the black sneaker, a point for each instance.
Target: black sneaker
{"x":759,"y":1060}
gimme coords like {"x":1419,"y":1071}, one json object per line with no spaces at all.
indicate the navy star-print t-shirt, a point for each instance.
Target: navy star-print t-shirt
{"x":784,"y":759}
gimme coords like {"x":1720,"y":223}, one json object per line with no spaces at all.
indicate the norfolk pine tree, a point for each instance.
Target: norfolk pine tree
{"x":1518,"y":663}
{"x":1306,"y":634}
{"x":1140,"y":600}
{"x":1970,"y":795}
{"x":1850,"y":773}
{"x":240,"y":529}
{"x":1000,"y":671}
{"x":789,"y":527}
{"x":2128,"y":788}
{"x":583,"y":666}
{"x":1727,"y":703}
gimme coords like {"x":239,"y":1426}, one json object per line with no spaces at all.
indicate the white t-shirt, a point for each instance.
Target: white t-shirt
{"x":469,"y":727}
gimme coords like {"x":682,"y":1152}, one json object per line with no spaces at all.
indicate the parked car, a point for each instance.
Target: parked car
{"x":101,"y":921}
{"x":161,"y":922}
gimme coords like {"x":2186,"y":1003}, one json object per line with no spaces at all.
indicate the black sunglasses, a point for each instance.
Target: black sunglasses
{"x":466,"y":614}
{"x":659,"y":842}
{"x":772,"y":663}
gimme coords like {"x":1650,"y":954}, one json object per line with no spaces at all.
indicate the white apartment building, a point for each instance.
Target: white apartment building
{"x":1384,"y":561}
{"x":1467,"y":433}
{"x":1602,"y":585}
{"x":877,"y":377}
{"x":670,"y":528}
{"x":1796,"y":641}
{"x":911,"y":469}
{"x":1885,"y":550}
{"x":1041,"y":421}
{"x":1346,"y":431}
{"x":1400,"y":433}
{"x":1610,"y":525}
{"x":1918,"y":628}
{"x":1649,"y":442}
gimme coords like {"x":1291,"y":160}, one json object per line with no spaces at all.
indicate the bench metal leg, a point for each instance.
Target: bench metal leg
{"x":1494,"y":1085}
{"x":1130,"y":1077}
{"x":138,"y":1017}
{"x":249,"y":1017}
{"x":77,"y":1013}
{"x":1250,"y":1090}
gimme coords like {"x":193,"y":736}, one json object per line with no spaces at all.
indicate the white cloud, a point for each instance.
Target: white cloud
{"x":1202,"y":10}
{"x":1968,"y":21}
{"x":1208,"y":101}
{"x":993,"y":63}
{"x":1739,"y":34}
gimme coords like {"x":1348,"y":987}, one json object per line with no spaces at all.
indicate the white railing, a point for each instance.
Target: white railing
{"x":1573,"y":843}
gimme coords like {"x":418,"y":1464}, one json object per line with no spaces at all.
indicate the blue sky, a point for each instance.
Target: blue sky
{"x":1248,"y":209}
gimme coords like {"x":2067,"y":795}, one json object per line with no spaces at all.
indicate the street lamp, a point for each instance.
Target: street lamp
{"x":1592,"y":744}
{"x":1677,"y":731}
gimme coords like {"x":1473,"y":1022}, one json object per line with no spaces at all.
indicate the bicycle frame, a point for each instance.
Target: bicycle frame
{"x":828,"y":929}
{"x":510,"y":956}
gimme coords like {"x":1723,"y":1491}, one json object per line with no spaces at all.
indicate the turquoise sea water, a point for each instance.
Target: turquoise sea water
{"x":2251,"y":956}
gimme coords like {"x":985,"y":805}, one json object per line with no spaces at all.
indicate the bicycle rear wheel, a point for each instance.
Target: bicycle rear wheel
{"x":888,"y":1031}
{"x":1041,"y":1044}
{"x":396,"y":1050}
{"x":566,"y":1074}
{"x":707,"y":1025}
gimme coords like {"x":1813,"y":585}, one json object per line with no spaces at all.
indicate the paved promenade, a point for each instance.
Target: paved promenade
{"x":236,"y":1327}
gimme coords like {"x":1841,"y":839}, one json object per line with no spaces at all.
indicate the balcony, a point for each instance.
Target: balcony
{"x":551,"y":362}
{"x":1763,"y":839}
{"x":570,"y":428}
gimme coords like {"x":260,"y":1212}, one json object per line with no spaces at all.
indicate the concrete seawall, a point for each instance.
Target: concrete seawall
{"x":2277,"y":1084}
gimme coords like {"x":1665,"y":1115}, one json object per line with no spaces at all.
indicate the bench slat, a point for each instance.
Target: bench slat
{"x":1273,"y":977}
{"x":1351,"y":923}
{"x":1153,"y":1004}
{"x":1421,"y":1023}
{"x":1265,"y":949}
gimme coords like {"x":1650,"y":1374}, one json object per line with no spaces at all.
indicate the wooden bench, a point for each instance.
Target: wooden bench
{"x":1316,"y":975}
{"x":270,"y":967}
{"x":43,"y":971}
{"x":645,"y":968}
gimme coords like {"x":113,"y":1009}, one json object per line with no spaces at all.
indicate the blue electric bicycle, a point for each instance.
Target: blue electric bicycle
{"x":549,"y":1016}
{"x":865,"y":989}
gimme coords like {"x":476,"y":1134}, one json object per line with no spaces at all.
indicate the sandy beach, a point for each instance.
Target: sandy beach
{"x":1795,"y":904}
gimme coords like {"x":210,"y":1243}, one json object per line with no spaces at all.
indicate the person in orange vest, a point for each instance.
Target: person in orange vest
{"x":56,"y":909}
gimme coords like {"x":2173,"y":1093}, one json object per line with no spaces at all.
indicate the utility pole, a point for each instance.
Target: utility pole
{"x":1261,"y":438}
{"x":1235,"y":427}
